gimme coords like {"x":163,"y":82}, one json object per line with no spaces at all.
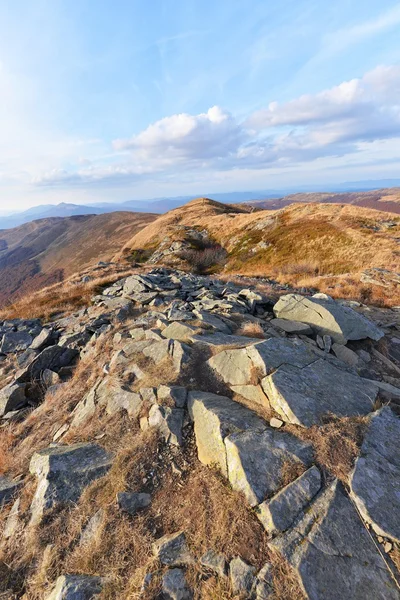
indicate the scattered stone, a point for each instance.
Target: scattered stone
{"x":92,"y":527}
{"x":8,"y":489}
{"x":295,"y":327}
{"x":328,"y":317}
{"x":76,"y":587}
{"x":279,"y":513}
{"x":275,"y":423}
{"x":132,"y":502}
{"x":12,"y":522}
{"x":169,"y":421}
{"x":15,"y":341}
{"x":12,"y":397}
{"x":215,"y":562}
{"x":345,"y":354}
{"x":180,"y":331}
{"x":172,"y":393}
{"x":375,"y":481}
{"x":242,"y":575}
{"x":42,"y":339}
{"x":175,"y":587}
{"x":172,"y":550}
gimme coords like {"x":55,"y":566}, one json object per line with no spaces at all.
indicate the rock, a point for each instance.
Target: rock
{"x":217,"y":340}
{"x":132,"y":502}
{"x":275,"y":423}
{"x":332,"y":553}
{"x":8,"y":489}
{"x":265,"y":583}
{"x":295,"y":327}
{"x":233,"y":366}
{"x":179,"y":331}
{"x":53,"y":358}
{"x":382,"y":277}
{"x":172,"y":550}
{"x":242,"y":575}
{"x":255,"y":461}
{"x":91,"y":529}
{"x":175,"y":587}
{"x":169,"y":421}
{"x":172,"y":393}
{"x":12,"y":397}
{"x":304,"y":396}
{"x":50,"y":378}
{"x":76,"y":587}
{"x":254,"y":393}
{"x":215,"y":417}
{"x":137,"y":334}
{"x":15,"y":341}
{"x":345,"y":354}
{"x":279,"y":513}
{"x":326,"y":316}
{"x":212,"y":321}
{"x":42,"y":339}
{"x":63,"y":473}
{"x":215,"y":562}
{"x":364,"y":355}
{"x":119,"y":398}
{"x":148,"y":395}
{"x":375,"y":481}
{"x":12,"y":522}
{"x":178,"y":352}
{"x":134,"y":284}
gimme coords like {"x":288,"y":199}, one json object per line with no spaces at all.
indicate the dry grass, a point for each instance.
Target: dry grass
{"x":251,"y":329}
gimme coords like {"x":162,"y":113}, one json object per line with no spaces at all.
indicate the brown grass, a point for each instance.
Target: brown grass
{"x":251,"y":329}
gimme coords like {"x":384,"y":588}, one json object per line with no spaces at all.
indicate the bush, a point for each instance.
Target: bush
{"x":203,"y":261}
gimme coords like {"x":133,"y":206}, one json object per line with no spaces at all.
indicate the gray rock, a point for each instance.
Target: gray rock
{"x":172,"y":550}
{"x":243,"y":576}
{"x":255,"y":460}
{"x":375,"y":481}
{"x":279,"y":513}
{"x":63,"y":473}
{"x":53,"y":358}
{"x":76,"y":587}
{"x":169,"y":421}
{"x":12,"y":523}
{"x":215,"y":417}
{"x":134,"y":284}
{"x":332,"y":553}
{"x":172,"y":393}
{"x":295,"y":327}
{"x":175,"y":587}
{"x":345,"y":354}
{"x":304,"y":396}
{"x":178,"y":352}
{"x":233,"y":366}
{"x":254,"y":393}
{"x":326,"y":316}
{"x":91,"y":529}
{"x":215,"y":562}
{"x":12,"y":397}
{"x":15,"y":341}
{"x":216,"y":341}
{"x":180,"y":331}
{"x":132,"y":502}
{"x":8,"y":489}
{"x":42,"y":339}
{"x":50,"y":378}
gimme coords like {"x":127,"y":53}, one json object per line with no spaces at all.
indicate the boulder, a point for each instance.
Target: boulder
{"x":12,"y":397}
{"x":8,"y":489}
{"x":212,"y":321}
{"x":42,"y":339}
{"x":174,"y":394}
{"x":53,"y":358}
{"x":15,"y":341}
{"x":175,"y":587}
{"x":169,"y":421}
{"x":233,"y":366}
{"x":255,"y":460}
{"x":254,"y":393}
{"x":132,"y":502}
{"x":279,"y":513}
{"x":134,"y":284}
{"x":332,"y":553}
{"x":346,"y":355}
{"x":179,"y":353}
{"x":243,"y":576}
{"x":375,"y":480}
{"x":179,"y":331}
{"x":326,"y":316}
{"x":63,"y":473}
{"x":304,"y":396}
{"x":295,"y":327}
{"x":215,"y":562}
{"x":76,"y":587}
{"x":172,"y":550}
{"x":215,"y":417}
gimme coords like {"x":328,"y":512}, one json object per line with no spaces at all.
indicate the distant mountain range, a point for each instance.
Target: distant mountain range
{"x":342,"y":192}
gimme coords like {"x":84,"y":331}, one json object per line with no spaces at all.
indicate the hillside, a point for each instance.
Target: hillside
{"x":45,"y":251}
{"x":324,"y":246}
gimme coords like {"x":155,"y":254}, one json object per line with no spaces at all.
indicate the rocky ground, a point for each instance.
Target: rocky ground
{"x":290,"y":407}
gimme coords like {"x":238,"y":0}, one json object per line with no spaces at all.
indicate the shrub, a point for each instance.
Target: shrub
{"x":204,"y":261}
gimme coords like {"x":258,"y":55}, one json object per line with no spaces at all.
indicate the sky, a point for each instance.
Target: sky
{"x":104,"y":101}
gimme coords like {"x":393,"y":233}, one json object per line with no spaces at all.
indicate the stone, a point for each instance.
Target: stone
{"x":178,"y":352}
{"x":243,"y":576}
{"x":254,"y":393}
{"x":12,"y":523}
{"x":215,"y":417}
{"x":119,"y":398}
{"x":172,"y":550}
{"x":63,"y":472}
{"x":148,"y":395}
{"x":327,"y":317}
{"x":169,"y":421}
{"x":345,"y":354}
{"x":375,"y":480}
{"x":295,"y":327}
{"x":332,"y":553}
{"x":76,"y":587}
{"x":8,"y":489}
{"x":50,"y":378}
{"x":304,"y":396}
{"x":42,"y":339}
{"x":279,"y":513}
{"x":137,"y":334}
{"x":172,"y":393}
{"x":91,"y":529}
{"x":255,"y":460}
{"x":233,"y":366}
{"x":134,"y":284}
{"x":212,"y":321}
{"x":132,"y":502}
{"x":52,"y":357}
{"x":215,"y":562}
{"x":12,"y":397}
{"x":15,"y":341}
{"x":179,"y":331}
{"x":175,"y":587}
{"x":275,"y":423}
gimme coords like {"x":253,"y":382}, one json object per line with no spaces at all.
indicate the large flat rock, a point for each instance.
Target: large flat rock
{"x":256,"y":459}
{"x":326,"y":316}
{"x":333,"y":554}
{"x":303,"y":396}
{"x":375,"y":481}
{"x":215,"y":417}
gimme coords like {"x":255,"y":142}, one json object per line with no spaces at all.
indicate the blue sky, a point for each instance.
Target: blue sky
{"x":111,"y":101}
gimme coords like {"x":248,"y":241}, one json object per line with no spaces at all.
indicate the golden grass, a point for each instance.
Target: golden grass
{"x":251,"y":329}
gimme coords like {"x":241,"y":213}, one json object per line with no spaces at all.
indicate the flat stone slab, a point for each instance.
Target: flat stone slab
{"x":304,"y":396}
{"x":332,"y":553}
{"x":175,"y":587}
{"x":327,"y":317}
{"x":255,"y":461}
{"x":76,"y":587}
{"x":172,"y":550}
{"x":279,"y":513}
{"x":375,"y":481}
{"x":215,"y":417}
{"x":289,"y":326}
{"x":218,"y":340}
